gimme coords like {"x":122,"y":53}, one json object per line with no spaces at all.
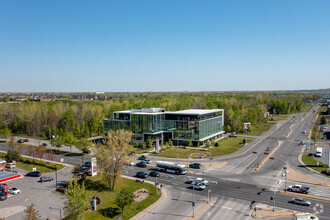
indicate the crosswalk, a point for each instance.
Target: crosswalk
{"x":227,"y":208}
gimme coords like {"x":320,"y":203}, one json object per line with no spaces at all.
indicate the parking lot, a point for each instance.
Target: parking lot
{"x":32,"y":191}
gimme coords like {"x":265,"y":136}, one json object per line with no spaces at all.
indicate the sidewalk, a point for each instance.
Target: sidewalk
{"x":152,"y":206}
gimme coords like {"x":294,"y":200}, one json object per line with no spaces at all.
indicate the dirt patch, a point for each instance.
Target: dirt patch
{"x":140,"y":195}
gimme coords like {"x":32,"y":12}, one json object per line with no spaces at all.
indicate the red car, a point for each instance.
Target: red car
{"x":26,"y":140}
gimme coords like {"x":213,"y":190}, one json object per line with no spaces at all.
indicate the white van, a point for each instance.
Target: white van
{"x":304,"y":216}
{"x":318,"y":152}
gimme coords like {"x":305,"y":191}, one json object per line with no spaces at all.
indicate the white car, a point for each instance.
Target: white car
{"x":148,"y":161}
{"x":129,"y":163}
{"x":14,"y":191}
{"x":198,"y":180}
{"x":198,"y":186}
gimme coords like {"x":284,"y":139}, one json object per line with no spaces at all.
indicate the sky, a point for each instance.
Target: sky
{"x":163,"y":45}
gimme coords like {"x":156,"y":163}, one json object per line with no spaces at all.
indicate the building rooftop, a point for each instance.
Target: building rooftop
{"x":196,"y":111}
{"x":8,"y":176}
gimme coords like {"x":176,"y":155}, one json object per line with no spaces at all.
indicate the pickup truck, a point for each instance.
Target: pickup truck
{"x":198,"y":180}
{"x":299,"y":189}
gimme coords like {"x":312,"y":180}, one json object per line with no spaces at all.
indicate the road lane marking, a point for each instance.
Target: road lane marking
{"x":269,"y":155}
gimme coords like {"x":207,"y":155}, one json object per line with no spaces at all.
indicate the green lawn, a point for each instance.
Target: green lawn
{"x":41,"y":169}
{"x":106,"y":210}
{"x":140,"y":150}
{"x":311,"y":162}
{"x":259,"y":129}
{"x":28,"y":165}
{"x":227,"y":146}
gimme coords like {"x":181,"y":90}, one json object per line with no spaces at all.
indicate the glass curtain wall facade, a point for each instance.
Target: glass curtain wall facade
{"x":195,"y":126}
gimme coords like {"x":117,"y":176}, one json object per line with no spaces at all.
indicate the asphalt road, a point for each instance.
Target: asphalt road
{"x":239,"y":185}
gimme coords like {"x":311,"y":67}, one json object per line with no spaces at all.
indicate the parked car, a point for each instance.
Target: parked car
{"x":10,"y":165}
{"x":299,"y":188}
{"x":45,"y":179}
{"x":198,"y":186}
{"x":44,"y":144}
{"x":88,"y":164}
{"x":300,"y":201}
{"x":14,"y":191}
{"x":141,"y":164}
{"x":195,"y":165}
{"x":142,"y":157}
{"x":304,"y":132}
{"x":148,"y":161}
{"x":20,"y":141}
{"x":3,"y":197}
{"x":34,"y":174}
{"x":84,"y":168}
{"x":26,"y":140}
{"x":142,"y":174}
{"x":128,"y":163}
{"x":154,"y":174}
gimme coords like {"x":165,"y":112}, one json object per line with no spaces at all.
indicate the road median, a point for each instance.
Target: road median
{"x":279,"y":143}
{"x":305,"y":195}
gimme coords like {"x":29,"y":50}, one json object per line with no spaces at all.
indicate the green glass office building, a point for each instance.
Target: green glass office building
{"x":197,"y":125}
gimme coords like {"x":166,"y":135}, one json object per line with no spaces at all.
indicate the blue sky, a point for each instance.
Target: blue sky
{"x":163,"y":45}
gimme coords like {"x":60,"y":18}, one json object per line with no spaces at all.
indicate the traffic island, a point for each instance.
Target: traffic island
{"x":260,"y":212}
{"x":200,"y":210}
{"x":296,"y":176}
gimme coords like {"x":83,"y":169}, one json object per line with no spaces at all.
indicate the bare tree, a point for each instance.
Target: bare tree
{"x":51,"y":155}
{"x":112,"y":155}
{"x":30,"y":213}
{"x":40,"y":151}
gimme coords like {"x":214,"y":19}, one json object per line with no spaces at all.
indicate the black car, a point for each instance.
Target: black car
{"x":142,"y":157}
{"x":141,"y":174}
{"x":45,"y":179}
{"x":141,"y":164}
{"x":20,"y":141}
{"x":154,"y":174}
{"x":195,"y":165}
{"x":3,"y":197}
{"x":44,"y":144}
{"x":34,"y":174}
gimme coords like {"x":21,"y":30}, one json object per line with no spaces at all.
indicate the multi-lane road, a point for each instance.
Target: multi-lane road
{"x":240,"y":186}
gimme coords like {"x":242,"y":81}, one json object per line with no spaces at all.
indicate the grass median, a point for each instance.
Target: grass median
{"x":311,"y":162}
{"x":227,"y":146}
{"x":107,"y":209}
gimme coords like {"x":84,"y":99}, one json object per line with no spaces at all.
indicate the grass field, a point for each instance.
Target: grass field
{"x":227,"y":146}
{"x":312,"y":163}
{"x":106,"y":210}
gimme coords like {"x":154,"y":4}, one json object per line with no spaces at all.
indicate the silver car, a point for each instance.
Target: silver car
{"x":301,"y":201}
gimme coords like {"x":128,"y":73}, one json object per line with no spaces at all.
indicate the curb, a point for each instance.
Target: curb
{"x":306,"y":166}
{"x":279,"y":143}
{"x":152,"y":206}
{"x":306,"y":196}
{"x":254,"y":213}
{"x":316,"y":184}
{"x":200,"y":210}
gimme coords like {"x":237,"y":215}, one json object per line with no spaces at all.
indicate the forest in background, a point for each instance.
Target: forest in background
{"x":84,"y":118}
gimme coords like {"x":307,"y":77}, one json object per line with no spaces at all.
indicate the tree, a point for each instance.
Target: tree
{"x":40,"y":151}
{"x":323,"y":120}
{"x":77,"y":201}
{"x":212,"y":142}
{"x":5,"y":133}
{"x":315,"y":133}
{"x":124,"y":198}
{"x":69,"y":139}
{"x":170,"y":143}
{"x":30,"y":213}
{"x":12,"y":155}
{"x":112,"y":155}
{"x":190,"y":143}
{"x":51,"y":155}
{"x":57,"y":142}
{"x":149,"y":142}
{"x":84,"y":145}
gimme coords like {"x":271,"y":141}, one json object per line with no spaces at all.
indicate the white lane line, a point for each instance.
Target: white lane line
{"x":225,"y":207}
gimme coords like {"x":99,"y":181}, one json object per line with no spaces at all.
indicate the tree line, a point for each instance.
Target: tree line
{"x":84,"y":118}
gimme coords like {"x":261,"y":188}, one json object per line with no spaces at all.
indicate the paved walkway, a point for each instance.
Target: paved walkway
{"x":264,"y":211}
